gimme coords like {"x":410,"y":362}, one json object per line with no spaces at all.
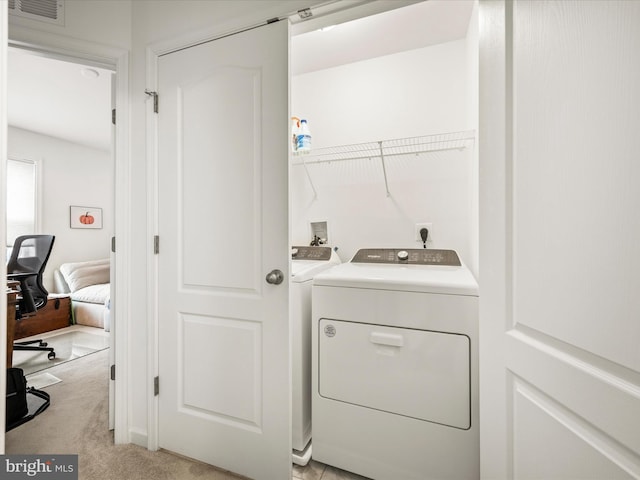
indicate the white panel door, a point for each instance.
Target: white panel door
{"x":223,"y":226}
{"x":559,"y":239}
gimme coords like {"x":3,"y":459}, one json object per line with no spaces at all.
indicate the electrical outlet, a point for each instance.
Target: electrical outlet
{"x":420,"y":226}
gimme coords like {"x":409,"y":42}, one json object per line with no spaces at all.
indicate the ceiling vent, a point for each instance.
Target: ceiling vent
{"x":50,"y":11}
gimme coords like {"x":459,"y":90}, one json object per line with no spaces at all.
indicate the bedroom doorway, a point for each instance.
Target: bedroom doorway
{"x":59,"y":112}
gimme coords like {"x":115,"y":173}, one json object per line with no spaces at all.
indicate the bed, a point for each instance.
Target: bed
{"x":87,"y":283}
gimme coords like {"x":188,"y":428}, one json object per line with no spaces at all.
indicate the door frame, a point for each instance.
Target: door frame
{"x":4,"y":14}
{"x":116,"y":59}
{"x":495,"y":225}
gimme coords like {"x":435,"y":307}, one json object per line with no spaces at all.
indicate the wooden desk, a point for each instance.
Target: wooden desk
{"x":12,"y":300}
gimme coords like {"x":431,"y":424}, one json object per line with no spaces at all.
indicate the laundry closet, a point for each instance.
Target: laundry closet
{"x":391,"y":103}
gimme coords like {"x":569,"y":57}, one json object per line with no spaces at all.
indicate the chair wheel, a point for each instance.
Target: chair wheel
{"x":51,"y":355}
{"x":43,"y":344}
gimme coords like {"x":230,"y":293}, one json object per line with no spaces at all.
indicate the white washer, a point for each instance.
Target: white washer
{"x":306,"y":262}
{"x":395,"y":366}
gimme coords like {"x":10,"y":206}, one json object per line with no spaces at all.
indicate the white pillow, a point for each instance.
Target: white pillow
{"x":92,"y":294}
{"x":82,"y":274}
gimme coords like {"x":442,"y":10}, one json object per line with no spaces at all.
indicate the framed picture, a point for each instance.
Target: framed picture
{"x":85,"y":217}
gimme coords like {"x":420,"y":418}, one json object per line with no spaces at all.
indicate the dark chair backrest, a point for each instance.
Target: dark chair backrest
{"x":30,"y":254}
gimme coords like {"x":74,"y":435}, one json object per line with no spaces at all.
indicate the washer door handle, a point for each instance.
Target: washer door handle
{"x":275,"y":277}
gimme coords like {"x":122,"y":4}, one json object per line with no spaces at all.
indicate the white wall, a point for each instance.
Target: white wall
{"x":99,"y":21}
{"x":70,"y":174}
{"x":419,"y":92}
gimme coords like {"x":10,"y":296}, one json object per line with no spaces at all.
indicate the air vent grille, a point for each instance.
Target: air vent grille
{"x":43,"y":8}
{"x":51,"y":11}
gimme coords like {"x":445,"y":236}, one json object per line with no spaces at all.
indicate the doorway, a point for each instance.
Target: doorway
{"x":59,"y":120}
{"x":409,"y":73}
{"x":157,"y":51}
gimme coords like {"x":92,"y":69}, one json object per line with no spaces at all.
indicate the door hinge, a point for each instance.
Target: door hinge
{"x":156,"y":386}
{"x":113,"y":116}
{"x":113,"y":244}
{"x":112,"y":372}
{"x":155,"y":99}
{"x":156,"y":244}
{"x":305,"y":13}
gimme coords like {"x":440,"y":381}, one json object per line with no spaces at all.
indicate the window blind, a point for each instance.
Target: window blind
{"x":21,"y":198}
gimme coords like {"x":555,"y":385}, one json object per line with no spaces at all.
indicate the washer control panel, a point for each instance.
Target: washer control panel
{"x":408,"y":256}
{"x":311,"y":253}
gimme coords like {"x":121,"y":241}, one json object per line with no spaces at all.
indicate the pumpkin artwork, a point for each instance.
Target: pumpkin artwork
{"x":86,"y":219}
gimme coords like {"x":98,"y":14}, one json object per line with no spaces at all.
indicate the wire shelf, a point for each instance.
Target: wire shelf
{"x":388,"y":148}
{"x":385,"y":149}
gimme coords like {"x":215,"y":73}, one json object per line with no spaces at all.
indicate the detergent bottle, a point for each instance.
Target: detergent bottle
{"x":295,"y":130}
{"x":304,"y":137}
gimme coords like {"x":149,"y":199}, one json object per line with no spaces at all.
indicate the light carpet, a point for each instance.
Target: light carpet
{"x":77,"y":423}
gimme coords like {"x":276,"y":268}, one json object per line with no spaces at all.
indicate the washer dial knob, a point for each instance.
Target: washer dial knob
{"x":403,"y":255}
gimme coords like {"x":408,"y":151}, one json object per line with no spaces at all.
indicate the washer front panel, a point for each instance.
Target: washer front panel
{"x":415,"y":373}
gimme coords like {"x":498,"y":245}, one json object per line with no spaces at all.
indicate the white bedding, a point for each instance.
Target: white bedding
{"x":82,"y":274}
{"x":92,"y":294}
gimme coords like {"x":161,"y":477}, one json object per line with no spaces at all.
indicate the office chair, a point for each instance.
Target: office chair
{"x":28,"y":259}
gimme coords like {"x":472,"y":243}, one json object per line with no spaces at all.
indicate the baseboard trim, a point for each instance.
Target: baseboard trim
{"x":138,"y":437}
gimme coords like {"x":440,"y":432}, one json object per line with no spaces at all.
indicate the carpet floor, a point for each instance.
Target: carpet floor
{"x":77,"y":423}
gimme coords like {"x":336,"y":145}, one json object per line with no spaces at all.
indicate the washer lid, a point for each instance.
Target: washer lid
{"x":408,"y":278}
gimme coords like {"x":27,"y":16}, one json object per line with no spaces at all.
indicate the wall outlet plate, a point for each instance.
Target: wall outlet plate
{"x":420,"y":226}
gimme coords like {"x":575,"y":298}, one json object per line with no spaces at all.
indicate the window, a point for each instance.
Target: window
{"x":22,"y":194}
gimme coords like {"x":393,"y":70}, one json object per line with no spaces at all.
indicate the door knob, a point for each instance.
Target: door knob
{"x":275,"y":277}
